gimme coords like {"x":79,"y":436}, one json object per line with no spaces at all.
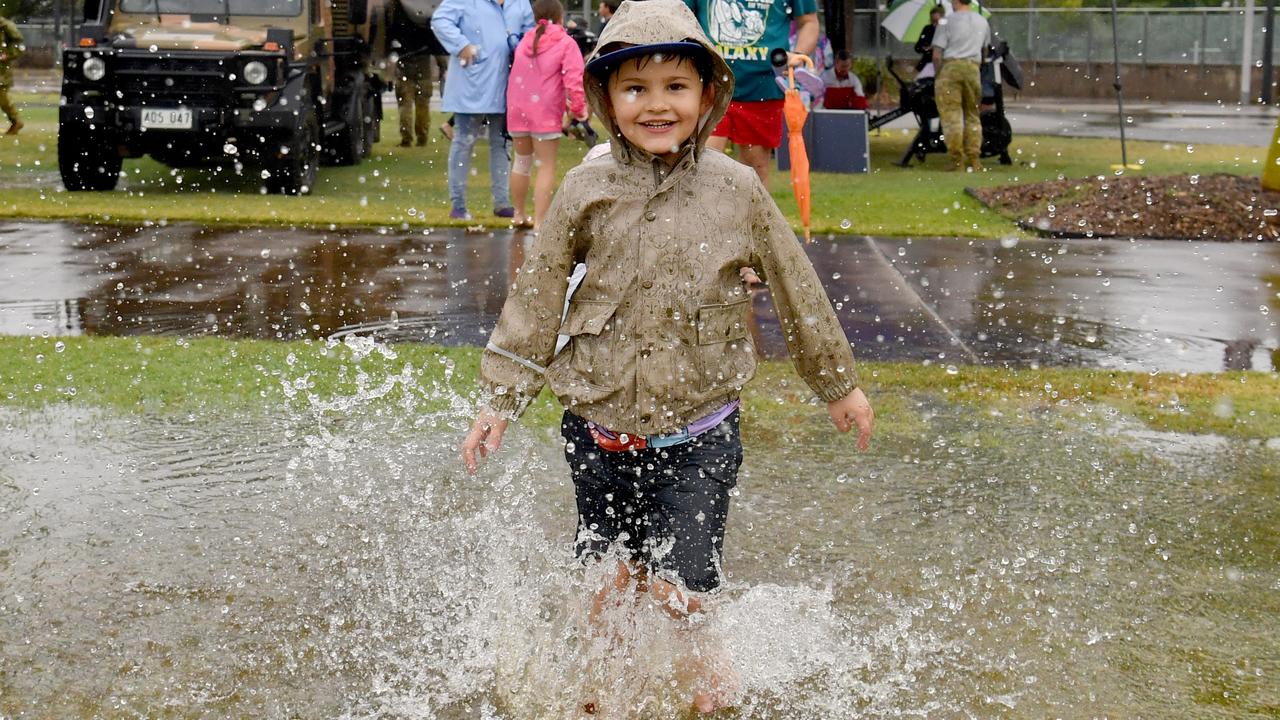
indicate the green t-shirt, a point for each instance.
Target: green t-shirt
{"x":745,"y":31}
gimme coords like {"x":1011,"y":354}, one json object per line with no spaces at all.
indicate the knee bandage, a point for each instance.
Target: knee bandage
{"x":523,"y":164}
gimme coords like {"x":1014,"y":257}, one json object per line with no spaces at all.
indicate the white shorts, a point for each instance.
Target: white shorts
{"x":535,"y":136}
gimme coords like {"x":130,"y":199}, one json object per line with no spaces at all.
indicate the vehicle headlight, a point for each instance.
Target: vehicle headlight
{"x":94,"y":69}
{"x":255,"y":73}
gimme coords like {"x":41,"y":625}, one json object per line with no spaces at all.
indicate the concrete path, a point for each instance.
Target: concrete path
{"x":1189,"y":123}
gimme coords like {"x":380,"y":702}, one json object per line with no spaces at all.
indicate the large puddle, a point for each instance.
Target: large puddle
{"x":1183,"y":306}
{"x":332,"y":561}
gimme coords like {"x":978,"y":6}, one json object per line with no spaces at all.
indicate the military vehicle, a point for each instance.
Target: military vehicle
{"x":279,"y":86}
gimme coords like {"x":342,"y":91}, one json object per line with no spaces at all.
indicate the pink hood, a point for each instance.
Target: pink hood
{"x":539,"y":85}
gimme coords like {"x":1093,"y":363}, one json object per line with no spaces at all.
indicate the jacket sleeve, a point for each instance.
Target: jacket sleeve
{"x":925,"y":42}
{"x":446,"y":23}
{"x":815,"y":339}
{"x":524,"y":340}
{"x":571,"y":70}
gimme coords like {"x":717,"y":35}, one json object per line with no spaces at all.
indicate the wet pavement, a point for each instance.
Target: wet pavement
{"x":1179,"y":123}
{"x":1161,"y":305}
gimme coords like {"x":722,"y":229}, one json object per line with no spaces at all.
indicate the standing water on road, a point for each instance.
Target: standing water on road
{"x":1156,"y":305}
{"x":329,"y":558}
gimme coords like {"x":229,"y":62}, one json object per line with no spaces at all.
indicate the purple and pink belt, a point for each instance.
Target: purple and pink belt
{"x":609,"y":440}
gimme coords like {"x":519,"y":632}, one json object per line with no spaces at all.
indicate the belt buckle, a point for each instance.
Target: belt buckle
{"x":617,"y":444}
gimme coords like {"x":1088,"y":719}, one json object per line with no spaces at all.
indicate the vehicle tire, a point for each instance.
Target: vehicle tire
{"x":292,"y":168}
{"x":373,"y":110}
{"x":348,"y":145}
{"x":86,"y":162}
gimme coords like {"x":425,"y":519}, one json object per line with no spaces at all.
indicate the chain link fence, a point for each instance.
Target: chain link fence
{"x":1183,"y":36}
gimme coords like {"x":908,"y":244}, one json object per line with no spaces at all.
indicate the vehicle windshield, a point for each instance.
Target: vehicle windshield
{"x":279,"y":8}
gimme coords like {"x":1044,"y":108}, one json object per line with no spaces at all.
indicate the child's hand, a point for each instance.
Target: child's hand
{"x":485,"y":436}
{"x":854,"y":409}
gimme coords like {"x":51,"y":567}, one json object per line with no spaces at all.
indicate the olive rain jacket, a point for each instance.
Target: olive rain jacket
{"x":10,"y":48}
{"x":659,"y":326}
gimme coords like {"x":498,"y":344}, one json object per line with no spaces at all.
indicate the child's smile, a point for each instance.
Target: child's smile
{"x":657,"y":101}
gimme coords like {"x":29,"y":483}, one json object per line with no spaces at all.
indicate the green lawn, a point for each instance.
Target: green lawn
{"x":176,"y":375}
{"x":406,"y":187}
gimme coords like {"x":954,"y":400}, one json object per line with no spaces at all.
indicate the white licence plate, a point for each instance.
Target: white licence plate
{"x":166,"y":119}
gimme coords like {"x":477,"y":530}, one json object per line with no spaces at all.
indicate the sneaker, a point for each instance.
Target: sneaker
{"x":459,"y":214}
{"x":505,"y":212}
{"x":447,"y":130}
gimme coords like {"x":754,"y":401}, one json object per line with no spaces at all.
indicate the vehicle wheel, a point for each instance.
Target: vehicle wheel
{"x":373,"y":110}
{"x":87,"y":162}
{"x":349,"y":144}
{"x":292,"y":170}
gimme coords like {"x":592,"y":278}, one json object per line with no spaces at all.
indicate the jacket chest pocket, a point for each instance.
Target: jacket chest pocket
{"x":725,"y":352}
{"x":592,"y":329}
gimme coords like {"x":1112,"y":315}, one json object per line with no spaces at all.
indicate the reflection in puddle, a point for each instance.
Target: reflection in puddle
{"x":1134,"y":305}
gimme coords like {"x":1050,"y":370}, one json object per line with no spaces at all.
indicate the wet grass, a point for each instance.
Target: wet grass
{"x":405,"y":187}
{"x":174,"y":375}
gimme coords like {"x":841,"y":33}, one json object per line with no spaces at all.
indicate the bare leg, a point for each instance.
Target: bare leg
{"x":716,"y":683}
{"x":757,"y":156}
{"x":612,"y":594}
{"x":544,"y":185}
{"x":673,"y":601}
{"x":520,"y":180}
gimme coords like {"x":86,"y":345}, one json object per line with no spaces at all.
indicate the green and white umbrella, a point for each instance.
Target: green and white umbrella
{"x":907,"y":18}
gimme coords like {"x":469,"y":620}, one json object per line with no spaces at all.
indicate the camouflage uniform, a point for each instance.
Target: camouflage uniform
{"x":413,"y":95}
{"x":10,"y":48}
{"x":961,"y":39}
{"x":418,"y":48}
{"x":958,"y":92}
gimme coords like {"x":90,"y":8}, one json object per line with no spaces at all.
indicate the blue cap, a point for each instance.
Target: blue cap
{"x":603,"y":64}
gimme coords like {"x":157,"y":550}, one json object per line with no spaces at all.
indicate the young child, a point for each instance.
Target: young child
{"x":546,"y":74}
{"x":659,"y":346}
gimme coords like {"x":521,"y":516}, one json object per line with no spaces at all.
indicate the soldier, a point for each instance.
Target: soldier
{"x":416,"y":47}
{"x":958,"y":48}
{"x":10,"y":48}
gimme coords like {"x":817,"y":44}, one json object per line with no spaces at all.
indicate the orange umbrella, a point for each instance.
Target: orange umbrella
{"x":795,"y":112}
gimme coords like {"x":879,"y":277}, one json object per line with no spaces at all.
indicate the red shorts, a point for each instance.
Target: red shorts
{"x":752,"y":123}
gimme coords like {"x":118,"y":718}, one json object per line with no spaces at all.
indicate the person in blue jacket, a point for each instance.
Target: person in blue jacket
{"x":480,"y":36}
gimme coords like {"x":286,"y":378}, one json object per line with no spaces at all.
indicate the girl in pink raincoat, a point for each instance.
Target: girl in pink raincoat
{"x":545,"y":77}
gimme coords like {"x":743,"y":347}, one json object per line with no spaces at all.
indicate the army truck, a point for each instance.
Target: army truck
{"x":276,"y":86}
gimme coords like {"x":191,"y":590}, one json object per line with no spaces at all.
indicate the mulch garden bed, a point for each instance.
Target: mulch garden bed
{"x":1185,"y":207}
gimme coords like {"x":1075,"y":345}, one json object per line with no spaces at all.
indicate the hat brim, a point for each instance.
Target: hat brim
{"x":602,"y":65}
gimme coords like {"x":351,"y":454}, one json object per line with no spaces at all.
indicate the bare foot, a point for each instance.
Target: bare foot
{"x":716,"y":689}
{"x":704,"y":703}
